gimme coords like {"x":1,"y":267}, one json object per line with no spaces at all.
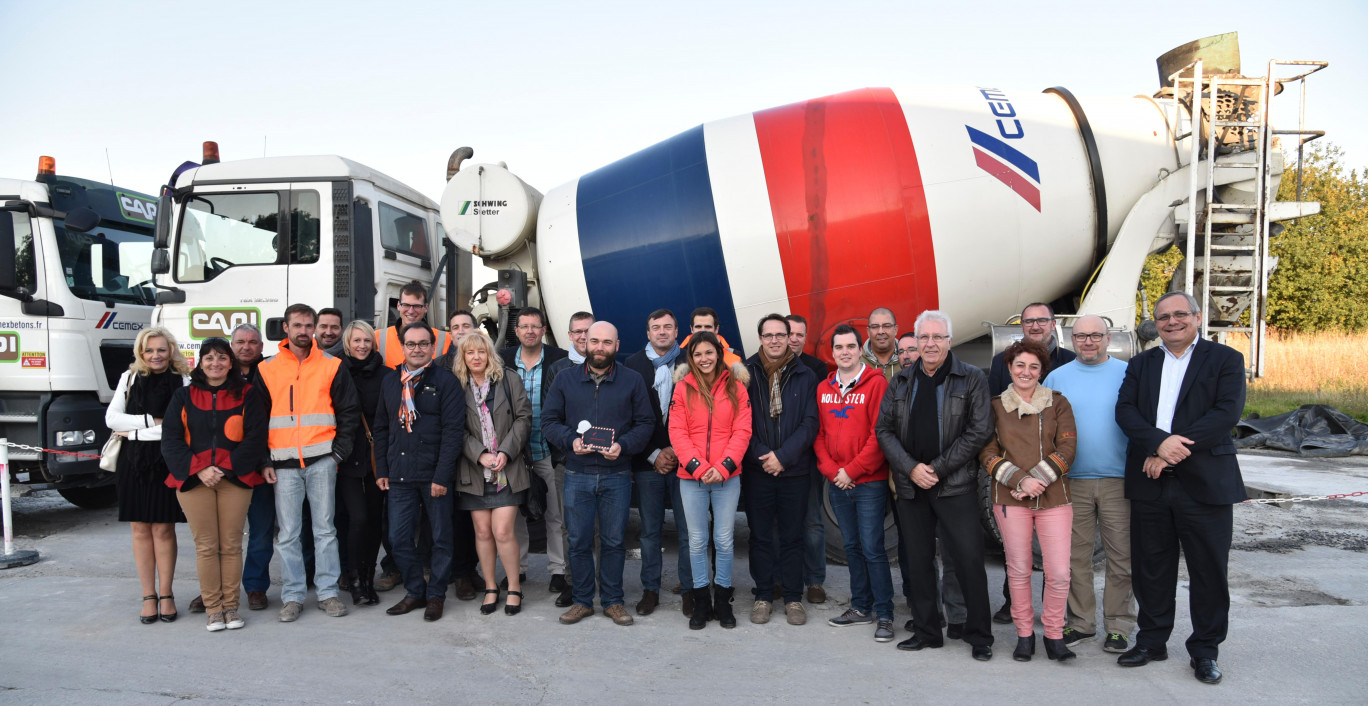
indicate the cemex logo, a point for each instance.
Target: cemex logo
{"x":108,"y":321}
{"x":1006,"y":163}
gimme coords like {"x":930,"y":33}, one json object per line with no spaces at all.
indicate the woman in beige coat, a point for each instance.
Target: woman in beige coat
{"x":492,"y":477}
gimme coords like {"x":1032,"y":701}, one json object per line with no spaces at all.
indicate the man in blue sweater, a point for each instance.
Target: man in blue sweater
{"x":609,"y":402}
{"x":1091,"y":383}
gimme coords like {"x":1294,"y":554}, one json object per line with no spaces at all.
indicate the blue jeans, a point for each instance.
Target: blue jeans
{"x":261,"y":519}
{"x":860,"y":512}
{"x":408,"y":504}
{"x":651,"y":489}
{"x":696,"y":497}
{"x":606,"y":497}
{"x":814,"y":535}
{"x":317,"y":482}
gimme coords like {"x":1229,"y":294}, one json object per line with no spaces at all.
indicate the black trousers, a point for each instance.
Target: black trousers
{"x":961,"y":542}
{"x":1158,"y":528}
{"x":463,"y":556}
{"x":363,"y":501}
{"x":769,"y":500}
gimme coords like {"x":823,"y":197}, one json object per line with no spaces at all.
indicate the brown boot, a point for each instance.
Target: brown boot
{"x":649,"y":601}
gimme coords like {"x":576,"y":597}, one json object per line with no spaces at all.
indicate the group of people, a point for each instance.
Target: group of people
{"x":428,"y":442}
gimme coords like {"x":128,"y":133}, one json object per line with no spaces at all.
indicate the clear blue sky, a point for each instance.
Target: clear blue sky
{"x":558,"y":89}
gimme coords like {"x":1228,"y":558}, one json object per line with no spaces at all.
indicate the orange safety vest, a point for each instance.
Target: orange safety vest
{"x":393,"y":351}
{"x":729,"y":358}
{"x":303,"y":424}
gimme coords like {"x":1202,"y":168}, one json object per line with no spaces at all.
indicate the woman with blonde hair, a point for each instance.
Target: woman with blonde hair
{"x":357,"y":493}
{"x":145,"y":500}
{"x":493,"y":475}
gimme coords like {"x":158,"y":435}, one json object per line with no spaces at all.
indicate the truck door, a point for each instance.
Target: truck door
{"x":23,"y":333}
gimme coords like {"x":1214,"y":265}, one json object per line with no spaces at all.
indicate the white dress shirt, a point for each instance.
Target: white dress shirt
{"x":1170,"y":382}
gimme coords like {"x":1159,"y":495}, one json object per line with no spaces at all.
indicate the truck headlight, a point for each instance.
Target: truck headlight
{"x":84,"y":437}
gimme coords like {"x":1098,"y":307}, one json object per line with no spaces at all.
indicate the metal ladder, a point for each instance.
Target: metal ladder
{"x":1233,"y":262}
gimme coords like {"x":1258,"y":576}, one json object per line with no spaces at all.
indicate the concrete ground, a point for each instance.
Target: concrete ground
{"x":1299,"y":579}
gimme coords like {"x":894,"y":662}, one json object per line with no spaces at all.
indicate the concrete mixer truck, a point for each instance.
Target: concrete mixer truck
{"x":975,"y":200}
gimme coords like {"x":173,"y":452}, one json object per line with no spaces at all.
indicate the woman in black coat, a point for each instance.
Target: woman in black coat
{"x":356,"y":486}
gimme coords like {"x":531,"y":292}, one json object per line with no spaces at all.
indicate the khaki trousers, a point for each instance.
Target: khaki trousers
{"x":1100,"y":501}
{"x":216,"y":517}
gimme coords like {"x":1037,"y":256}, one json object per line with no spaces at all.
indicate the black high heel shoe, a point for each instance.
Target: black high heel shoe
{"x":489,"y":608}
{"x":167,"y":617}
{"x":509,"y":608}
{"x":149,"y":619}
{"x":1025,"y":648}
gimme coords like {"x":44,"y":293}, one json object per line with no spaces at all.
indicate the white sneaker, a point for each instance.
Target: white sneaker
{"x":233,"y":620}
{"x":216,"y":622}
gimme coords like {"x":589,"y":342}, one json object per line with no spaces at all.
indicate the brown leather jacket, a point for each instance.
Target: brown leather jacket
{"x":1033,"y":439}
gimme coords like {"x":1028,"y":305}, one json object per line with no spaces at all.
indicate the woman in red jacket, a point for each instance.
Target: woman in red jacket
{"x":710,"y":428}
{"x":213,"y":435}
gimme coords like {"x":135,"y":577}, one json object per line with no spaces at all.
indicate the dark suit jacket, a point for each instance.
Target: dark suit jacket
{"x":1210,"y":403}
{"x":660,"y":437}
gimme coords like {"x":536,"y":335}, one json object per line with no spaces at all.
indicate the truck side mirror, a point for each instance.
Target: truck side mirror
{"x":162,"y":236}
{"x":82,"y":220}
{"x":275,"y":328}
{"x":161,"y":261}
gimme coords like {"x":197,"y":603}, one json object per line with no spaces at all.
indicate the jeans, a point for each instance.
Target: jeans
{"x":785,"y":500}
{"x":408,"y":503}
{"x":1054,"y":526}
{"x":651,"y":489}
{"x":860,"y":512}
{"x":696,"y":498}
{"x":606,"y":497}
{"x":555,"y":523}
{"x":317,"y":482}
{"x":261,"y":520}
{"x":814,"y":534}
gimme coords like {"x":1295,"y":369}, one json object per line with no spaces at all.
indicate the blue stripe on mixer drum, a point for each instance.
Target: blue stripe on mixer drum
{"x":649,"y":239}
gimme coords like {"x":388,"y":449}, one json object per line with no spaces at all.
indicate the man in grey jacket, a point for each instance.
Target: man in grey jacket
{"x":934,"y":419}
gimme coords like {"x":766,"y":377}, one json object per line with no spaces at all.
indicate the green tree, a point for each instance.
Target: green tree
{"x":1321,"y":282}
{"x":1154,"y":279}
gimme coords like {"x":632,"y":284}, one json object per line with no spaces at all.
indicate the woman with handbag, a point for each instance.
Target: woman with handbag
{"x":493,"y":476}
{"x":145,"y":502}
{"x":215,"y":438}
{"x":356,"y":489}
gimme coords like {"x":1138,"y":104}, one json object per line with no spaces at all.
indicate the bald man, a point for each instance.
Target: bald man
{"x":601,"y":413}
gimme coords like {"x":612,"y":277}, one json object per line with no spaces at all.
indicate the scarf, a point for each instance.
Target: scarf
{"x":575,"y":357}
{"x":772,"y":373}
{"x":488,"y":436}
{"x":664,"y":376}
{"x":925,"y":418}
{"x":407,"y":411}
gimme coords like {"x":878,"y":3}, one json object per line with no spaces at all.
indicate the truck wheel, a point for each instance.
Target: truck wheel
{"x":835,"y":542}
{"x":91,"y":498}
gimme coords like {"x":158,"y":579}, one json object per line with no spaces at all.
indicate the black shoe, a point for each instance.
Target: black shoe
{"x":167,"y":617}
{"x":1074,"y":637}
{"x":522,"y":578}
{"x":917,"y":642}
{"x":1206,"y":671}
{"x":1025,"y":648}
{"x":954,"y":631}
{"x":465,"y":589}
{"x":509,"y":608}
{"x":149,"y":619}
{"x":558,"y":584}
{"x":686,"y":604}
{"x":1057,"y":650}
{"x":1004,"y":615}
{"x":910,"y":625}
{"x":722,"y":605}
{"x":368,"y":594}
{"x":702,"y":609}
{"x":982,"y":653}
{"x":565,"y":599}
{"x":346,"y":583}
{"x":489,"y":608}
{"x":1140,"y":656}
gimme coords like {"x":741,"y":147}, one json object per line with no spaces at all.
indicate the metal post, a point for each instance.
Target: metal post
{"x":11,"y":558}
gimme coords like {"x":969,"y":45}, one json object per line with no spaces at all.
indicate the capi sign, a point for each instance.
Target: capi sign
{"x":220,"y":322}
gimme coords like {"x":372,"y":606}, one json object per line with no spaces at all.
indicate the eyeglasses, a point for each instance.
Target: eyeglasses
{"x":1176,"y":316}
{"x":1042,"y":321}
{"x":900,"y":351}
{"x":536,"y":327}
{"x":578,"y":331}
{"x":417,"y":345}
{"x":1094,"y":337}
{"x":406,"y":305}
{"x":935,"y":338}
{"x":882,"y":327}
{"x":773,"y":336}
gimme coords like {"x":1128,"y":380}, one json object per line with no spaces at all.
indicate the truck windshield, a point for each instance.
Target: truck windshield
{"x":107,"y":264}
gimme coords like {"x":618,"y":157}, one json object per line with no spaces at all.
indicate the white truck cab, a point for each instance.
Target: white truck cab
{"x":240,"y":241}
{"x":75,"y":290}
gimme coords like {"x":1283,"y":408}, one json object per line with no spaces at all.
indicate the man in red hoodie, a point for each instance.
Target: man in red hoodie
{"x":848,"y":455}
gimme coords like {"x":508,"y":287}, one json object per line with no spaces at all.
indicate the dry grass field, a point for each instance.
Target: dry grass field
{"x":1323,"y":368}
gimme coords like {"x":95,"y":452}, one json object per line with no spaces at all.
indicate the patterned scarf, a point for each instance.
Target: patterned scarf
{"x":774,"y":371}
{"x":488,"y":437}
{"x":407,"y":411}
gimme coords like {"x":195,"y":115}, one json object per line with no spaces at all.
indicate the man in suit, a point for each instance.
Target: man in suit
{"x":1177,"y":405}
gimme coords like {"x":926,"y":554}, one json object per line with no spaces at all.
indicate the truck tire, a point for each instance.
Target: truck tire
{"x":91,"y":498}
{"x":835,"y":542}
